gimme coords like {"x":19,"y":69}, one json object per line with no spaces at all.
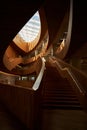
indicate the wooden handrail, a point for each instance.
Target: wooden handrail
{"x":67,"y":73}
{"x":74,"y":76}
{"x":75,"y":81}
{"x":64,"y":64}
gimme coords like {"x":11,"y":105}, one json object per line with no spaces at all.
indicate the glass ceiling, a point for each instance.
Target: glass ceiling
{"x":31,"y":29}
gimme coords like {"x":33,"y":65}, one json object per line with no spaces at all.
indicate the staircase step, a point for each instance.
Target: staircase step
{"x":56,"y":106}
{"x":58,"y":93}
{"x":61,"y":101}
{"x":61,"y":98}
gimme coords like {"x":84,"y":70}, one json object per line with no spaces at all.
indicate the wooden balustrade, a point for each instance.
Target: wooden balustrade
{"x":77,"y":79}
{"x":24,"y":101}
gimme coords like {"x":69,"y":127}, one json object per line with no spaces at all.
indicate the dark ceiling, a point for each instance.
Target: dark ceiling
{"x":14,"y":14}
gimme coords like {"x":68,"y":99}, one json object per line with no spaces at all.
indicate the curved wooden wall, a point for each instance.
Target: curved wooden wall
{"x":24,"y":102}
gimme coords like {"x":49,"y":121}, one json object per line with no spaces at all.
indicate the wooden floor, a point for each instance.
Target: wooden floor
{"x":8,"y":121}
{"x":51,"y":119}
{"x":64,"y":120}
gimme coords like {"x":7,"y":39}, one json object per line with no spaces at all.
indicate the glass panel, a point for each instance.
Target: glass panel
{"x":31,"y":29}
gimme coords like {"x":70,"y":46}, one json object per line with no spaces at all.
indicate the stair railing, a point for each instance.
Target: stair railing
{"x":66,"y":71}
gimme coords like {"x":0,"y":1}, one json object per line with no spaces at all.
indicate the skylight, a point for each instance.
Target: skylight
{"x":31,"y":29}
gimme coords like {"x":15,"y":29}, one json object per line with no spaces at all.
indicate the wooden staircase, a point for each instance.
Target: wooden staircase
{"x":57,"y":91}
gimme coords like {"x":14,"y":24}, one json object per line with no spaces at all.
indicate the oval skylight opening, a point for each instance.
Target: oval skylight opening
{"x":31,"y":29}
